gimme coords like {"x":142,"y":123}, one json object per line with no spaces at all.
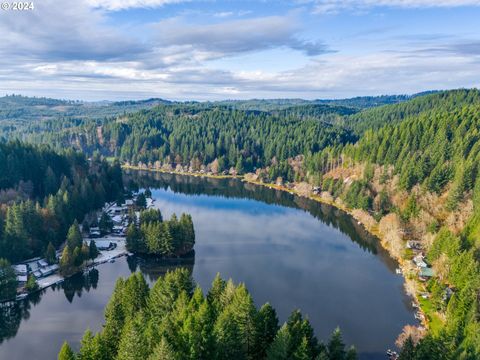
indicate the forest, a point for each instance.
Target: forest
{"x":154,"y":236}
{"x":175,"y":320}
{"x":407,"y":167}
{"x":42,"y":193}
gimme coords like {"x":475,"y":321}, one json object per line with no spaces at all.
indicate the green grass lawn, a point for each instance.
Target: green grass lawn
{"x":435,"y":323}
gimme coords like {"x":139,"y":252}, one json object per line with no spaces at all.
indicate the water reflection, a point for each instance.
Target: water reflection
{"x":233,"y":188}
{"x":153,"y":268}
{"x":13,"y":313}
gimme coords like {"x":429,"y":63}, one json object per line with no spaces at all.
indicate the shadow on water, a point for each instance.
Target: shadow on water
{"x":153,"y":268}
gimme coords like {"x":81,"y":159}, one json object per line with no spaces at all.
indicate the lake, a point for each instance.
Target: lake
{"x":289,"y":251}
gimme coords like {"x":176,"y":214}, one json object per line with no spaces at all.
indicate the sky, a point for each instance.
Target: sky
{"x":212,"y":49}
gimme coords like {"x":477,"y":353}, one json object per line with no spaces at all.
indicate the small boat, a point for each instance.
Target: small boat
{"x":392,"y":354}
{"x":398,"y":271}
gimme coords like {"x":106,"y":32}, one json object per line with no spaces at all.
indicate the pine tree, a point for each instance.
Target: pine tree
{"x":92,"y":250}
{"x":51,"y":254}
{"x":227,"y":335}
{"x":114,"y":319}
{"x":141,"y":201}
{"x":279,"y":349}
{"x":134,"y":239}
{"x":267,"y":327}
{"x":74,"y":236}
{"x":303,"y":351}
{"x":215,"y":293}
{"x":31,"y":284}
{"x":66,"y":261}
{"x":66,"y":352}
{"x":133,"y":345}
{"x":166,"y":245}
{"x":105,"y":224}
{"x":89,"y":348}
{"x":336,"y":347}
{"x":408,"y":350}
{"x":163,"y":351}
{"x":8,"y":280}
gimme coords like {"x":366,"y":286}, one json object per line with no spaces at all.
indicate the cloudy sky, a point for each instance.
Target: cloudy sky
{"x":212,"y":49}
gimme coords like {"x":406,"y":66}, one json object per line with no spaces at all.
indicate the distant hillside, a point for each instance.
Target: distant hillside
{"x":375,"y":118}
{"x":20,"y":115}
{"x":356,"y":103}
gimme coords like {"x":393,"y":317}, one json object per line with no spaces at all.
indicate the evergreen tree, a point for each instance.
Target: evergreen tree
{"x":66,"y":353}
{"x":51,"y":254}
{"x":92,"y":250}
{"x":150,"y":216}
{"x":66,"y":261}
{"x":74,"y":236}
{"x":279,"y":349}
{"x":89,"y":349}
{"x":134,"y":239}
{"x":133,"y":345}
{"x":105,"y":224}
{"x":8,"y":280}
{"x":336,"y":347}
{"x":163,"y":351}
{"x":141,"y":201}
{"x":31,"y":284}
{"x":408,"y":350}
{"x":267,"y":327}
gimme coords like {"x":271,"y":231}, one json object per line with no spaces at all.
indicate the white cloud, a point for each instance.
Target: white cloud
{"x":236,"y":36}
{"x":115,"y":5}
{"x":325,"y":6}
{"x":78,"y":52}
{"x":52,"y":32}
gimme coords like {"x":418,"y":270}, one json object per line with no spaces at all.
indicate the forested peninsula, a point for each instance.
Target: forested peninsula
{"x":175,"y":320}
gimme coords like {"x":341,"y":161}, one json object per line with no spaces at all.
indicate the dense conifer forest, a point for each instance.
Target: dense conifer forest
{"x":42,"y":193}
{"x":175,"y":320}
{"x":154,"y":236}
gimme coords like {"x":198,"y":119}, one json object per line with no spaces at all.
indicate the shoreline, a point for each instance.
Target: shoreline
{"x":402,"y":263}
{"x":55,"y":278}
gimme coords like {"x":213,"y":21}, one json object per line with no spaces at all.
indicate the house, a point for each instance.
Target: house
{"x":419,"y":261}
{"x":426,"y":272}
{"x":22,"y":278}
{"x":95,"y":232}
{"x":104,"y":244}
{"x":119,"y":230}
{"x":20,"y":270}
{"x":118,"y":210}
{"x":414,"y":245}
{"x":48,"y":270}
{"x":117,"y":219}
{"x":42,"y":263}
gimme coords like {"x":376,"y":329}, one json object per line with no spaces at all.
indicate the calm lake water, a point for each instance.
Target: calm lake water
{"x":290,"y":251}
